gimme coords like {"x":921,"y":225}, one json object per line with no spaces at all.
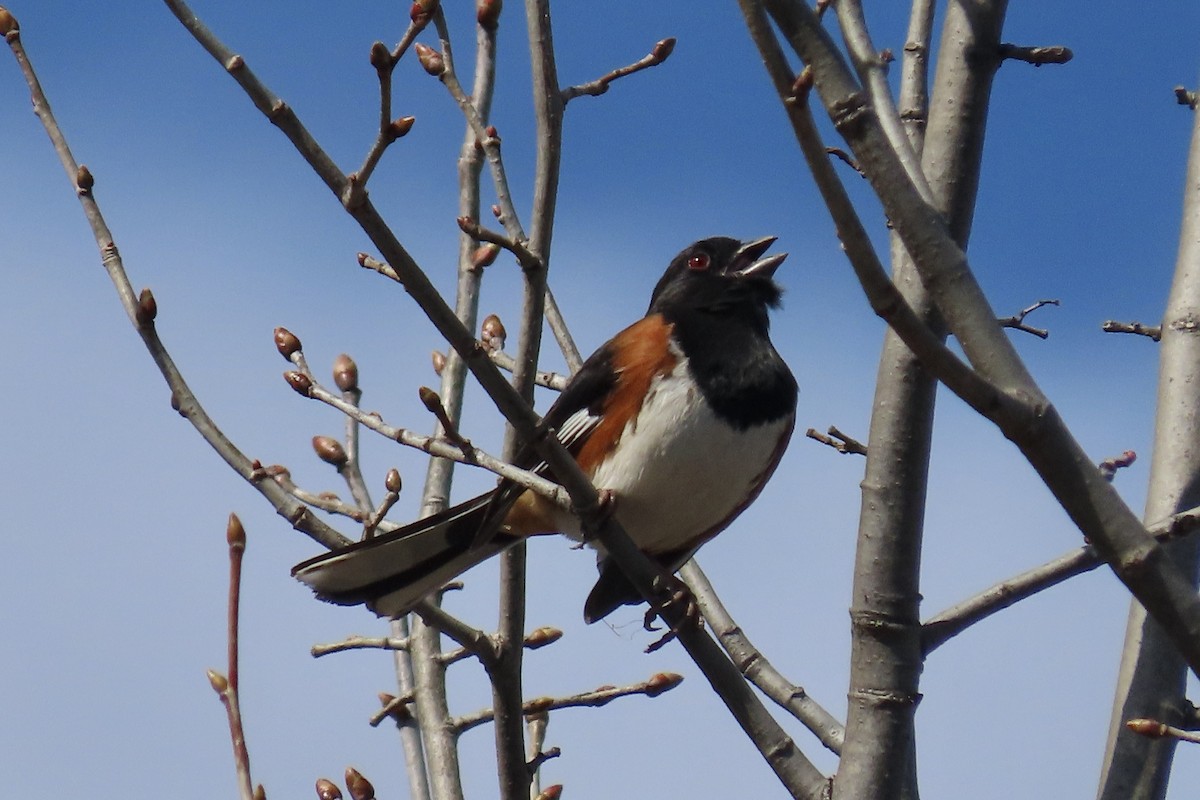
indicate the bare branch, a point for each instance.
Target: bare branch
{"x":656,"y":685}
{"x":659,"y":54}
{"x":838,"y":441}
{"x":1149,"y":331}
{"x":1017,"y":321}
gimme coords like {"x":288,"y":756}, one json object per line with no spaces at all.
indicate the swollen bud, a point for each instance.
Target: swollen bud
{"x":392,"y":481}
{"x":439,"y":361}
{"x":287,"y":343}
{"x":551,"y":792}
{"x":217,"y":681}
{"x":1147,"y":727}
{"x":663,"y":49}
{"x":401,"y":126}
{"x":540,"y":637}
{"x":380,"y":57}
{"x":235,"y":534}
{"x":485,"y":255}
{"x":493,"y":332}
{"x":84,"y":181}
{"x":330,"y":451}
{"x":8,"y":23}
{"x":328,"y":790}
{"x":345,"y":373}
{"x":662,"y":682}
{"x":260,"y":793}
{"x":431,"y":60}
{"x":429,"y":398}
{"x":487,"y":13}
{"x":360,"y":788}
{"x":421,"y":11}
{"x":299,"y":381}
{"x":147,"y":308}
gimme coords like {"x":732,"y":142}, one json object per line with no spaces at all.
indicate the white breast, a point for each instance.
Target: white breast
{"x":680,"y":471}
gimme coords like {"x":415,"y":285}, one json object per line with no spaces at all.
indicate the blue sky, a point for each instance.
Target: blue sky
{"x":114,"y":573}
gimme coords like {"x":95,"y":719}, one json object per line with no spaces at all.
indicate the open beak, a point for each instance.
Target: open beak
{"x":748,"y":261}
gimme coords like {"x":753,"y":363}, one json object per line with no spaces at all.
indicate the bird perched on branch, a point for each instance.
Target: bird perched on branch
{"x":680,"y":418}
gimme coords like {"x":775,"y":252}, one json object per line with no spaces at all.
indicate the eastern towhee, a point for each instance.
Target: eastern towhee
{"x":681,"y":417}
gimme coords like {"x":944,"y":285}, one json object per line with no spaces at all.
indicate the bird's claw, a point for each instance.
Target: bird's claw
{"x":673,"y":593}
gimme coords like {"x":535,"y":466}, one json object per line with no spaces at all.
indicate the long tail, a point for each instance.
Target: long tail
{"x":392,"y":572}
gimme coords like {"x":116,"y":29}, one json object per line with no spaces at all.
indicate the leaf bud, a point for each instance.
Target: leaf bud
{"x":400,"y":126}
{"x":147,"y":308}
{"x":551,"y":792}
{"x":485,"y":255}
{"x":328,"y":790}
{"x":540,"y":637}
{"x":287,"y":343}
{"x":493,"y":332}
{"x":487,"y":13}
{"x":431,"y":60}
{"x":392,"y":481}
{"x":235,"y":534}
{"x":330,"y":451}
{"x":360,"y":788}
{"x":345,"y":373}
{"x":439,"y":361}
{"x":218,"y":682}
{"x":662,"y":682}
{"x":8,"y":23}
{"x":663,"y":49}
{"x":84,"y":180}
{"x":421,"y":11}
{"x":380,"y":57}
{"x":299,"y":381}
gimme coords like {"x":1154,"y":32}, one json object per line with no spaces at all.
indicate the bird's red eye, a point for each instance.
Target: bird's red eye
{"x":698,"y":262}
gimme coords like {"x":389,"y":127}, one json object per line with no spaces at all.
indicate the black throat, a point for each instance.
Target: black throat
{"x":733,"y":362}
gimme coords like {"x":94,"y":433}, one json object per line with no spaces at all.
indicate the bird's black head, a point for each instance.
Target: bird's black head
{"x":720,"y":275}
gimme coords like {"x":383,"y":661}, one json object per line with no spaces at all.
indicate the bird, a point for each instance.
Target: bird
{"x":680,"y":419}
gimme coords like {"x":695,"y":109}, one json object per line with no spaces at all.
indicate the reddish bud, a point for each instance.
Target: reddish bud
{"x":345,"y":373}
{"x":260,"y":793}
{"x":328,"y":790}
{"x":487,"y":13}
{"x":299,"y":381}
{"x":439,"y":361}
{"x":493,"y":332}
{"x":540,"y":637}
{"x":360,"y":788}
{"x":84,"y":180}
{"x":235,"y":534}
{"x":147,"y":308}
{"x":286,"y":343}
{"x":431,"y":60}
{"x":496,"y":211}
{"x":218,"y":682}
{"x":392,"y":481}
{"x":551,"y":792}
{"x":886,"y":56}
{"x":1147,"y":727}
{"x":380,"y":57}
{"x":400,"y":127}
{"x":330,"y":451}
{"x":492,"y":133}
{"x":8,"y":23}
{"x":485,"y":255}
{"x":662,"y":682}
{"x":421,"y":11}
{"x":663,"y":49}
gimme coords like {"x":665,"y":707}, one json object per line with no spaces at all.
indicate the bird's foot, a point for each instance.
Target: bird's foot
{"x":675,"y":599}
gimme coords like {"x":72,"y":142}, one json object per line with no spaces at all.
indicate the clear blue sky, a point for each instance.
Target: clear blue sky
{"x":113,"y":577}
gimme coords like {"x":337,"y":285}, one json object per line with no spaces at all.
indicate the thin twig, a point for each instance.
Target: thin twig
{"x":183,"y":399}
{"x":661,"y":51}
{"x":1017,"y":321}
{"x":656,"y":685}
{"x":1159,"y":730}
{"x":838,"y":441}
{"x":360,"y":643}
{"x":1153,"y":332}
{"x":1109,"y":466}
